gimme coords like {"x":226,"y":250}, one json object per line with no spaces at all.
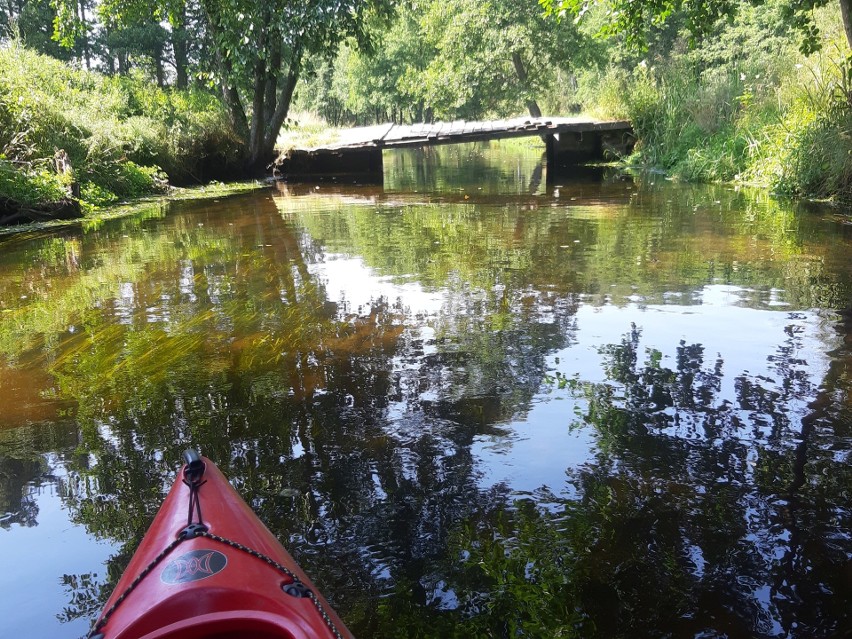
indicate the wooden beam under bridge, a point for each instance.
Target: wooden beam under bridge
{"x":357,"y":153}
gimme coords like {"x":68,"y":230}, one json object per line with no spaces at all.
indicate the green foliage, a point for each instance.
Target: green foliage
{"x":321,"y":97}
{"x":34,"y":26}
{"x":518,"y":574}
{"x":253,"y":51}
{"x":637,"y":23}
{"x":29,"y":186}
{"x":449,"y":60}
{"x":720,"y":92}
{"x":810,"y":152}
{"x":119,"y":132}
{"x":743,"y":106}
{"x":125,"y":179}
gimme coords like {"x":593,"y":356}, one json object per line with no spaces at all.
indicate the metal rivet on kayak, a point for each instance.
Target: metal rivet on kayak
{"x":296,"y":589}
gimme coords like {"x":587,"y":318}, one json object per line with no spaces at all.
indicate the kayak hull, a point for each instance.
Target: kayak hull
{"x":224,"y":584}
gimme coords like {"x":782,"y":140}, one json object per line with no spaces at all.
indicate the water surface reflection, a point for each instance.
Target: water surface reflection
{"x":467,"y":412}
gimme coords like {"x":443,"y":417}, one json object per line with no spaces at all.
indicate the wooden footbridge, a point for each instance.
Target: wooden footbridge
{"x":356,"y":154}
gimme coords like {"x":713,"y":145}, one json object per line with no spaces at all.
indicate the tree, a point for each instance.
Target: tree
{"x":257,"y":51}
{"x":260,"y":47}
{"x":142,"y":43}
{"x":499,"y":52}
{"x":632,"y":20}
{"x":32,"y":22}
{"x":462,"y":59}
{"x":386,"y":82}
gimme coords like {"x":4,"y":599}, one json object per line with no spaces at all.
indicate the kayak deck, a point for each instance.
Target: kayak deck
{"x":209,"y":569}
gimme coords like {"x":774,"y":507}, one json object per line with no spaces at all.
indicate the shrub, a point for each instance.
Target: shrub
{"x":29,"y":187}
{"x":120,"y":133}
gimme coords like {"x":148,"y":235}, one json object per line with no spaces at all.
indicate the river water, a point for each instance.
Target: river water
{"x":472,"y":403}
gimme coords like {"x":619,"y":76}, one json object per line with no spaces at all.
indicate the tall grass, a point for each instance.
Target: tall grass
{"x":124,"y":136}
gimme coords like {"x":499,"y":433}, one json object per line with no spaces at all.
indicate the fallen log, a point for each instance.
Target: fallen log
{"x":14,"y":212}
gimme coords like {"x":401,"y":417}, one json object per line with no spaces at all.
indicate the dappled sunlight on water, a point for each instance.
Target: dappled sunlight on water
{"x":482,"y":401}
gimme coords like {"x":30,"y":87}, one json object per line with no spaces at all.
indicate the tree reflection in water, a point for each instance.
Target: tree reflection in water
{"x":698,"y":516}
{"x":715,"y":504}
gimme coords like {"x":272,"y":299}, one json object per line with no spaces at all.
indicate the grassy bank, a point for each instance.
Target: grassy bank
{"x":745,"y":107}
{"x":115,"y":138}
{"x":140,"y":206}
{"x":304,"y":129}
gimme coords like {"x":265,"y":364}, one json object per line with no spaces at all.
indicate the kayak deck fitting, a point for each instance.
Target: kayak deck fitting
{"x":209,"y":569}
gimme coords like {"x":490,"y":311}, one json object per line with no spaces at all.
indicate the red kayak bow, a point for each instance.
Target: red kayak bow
{"x":214,"y":573}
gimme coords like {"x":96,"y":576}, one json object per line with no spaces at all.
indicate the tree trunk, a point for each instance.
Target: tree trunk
{"x":846,"y":14}
{"x":257,"y":112}
{"x":158,"y":67}
{"x":282,"y":108}
{"x":235,"y":108}
{"x":232,"y":98}
{"x":81,"y":16}
{"x":521,"y":71}
{"x":261,"y":71}
{"x":179,"y":47}
{"x":533,"y":108}
{"x":272,"y":76}
{"x":229,"y":91}
{"x":269,"y":110}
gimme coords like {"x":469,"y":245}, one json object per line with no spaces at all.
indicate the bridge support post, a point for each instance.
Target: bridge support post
{"x":570,"y":148}
{"x":363,"y":165}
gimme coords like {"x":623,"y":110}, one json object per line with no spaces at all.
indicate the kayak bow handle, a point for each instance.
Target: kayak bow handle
{"x":194,"y":465}
{"x":192,"y":477}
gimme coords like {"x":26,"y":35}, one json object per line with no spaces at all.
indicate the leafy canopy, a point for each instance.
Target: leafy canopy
{"x":633,"y":20}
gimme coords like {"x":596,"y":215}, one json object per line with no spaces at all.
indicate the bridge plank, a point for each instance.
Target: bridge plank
{"x":424,"y":134}
{"x":436,"y":129}
{"x":401,"y":132}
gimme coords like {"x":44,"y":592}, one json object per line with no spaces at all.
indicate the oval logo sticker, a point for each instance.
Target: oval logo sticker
{"x":194,"y":565}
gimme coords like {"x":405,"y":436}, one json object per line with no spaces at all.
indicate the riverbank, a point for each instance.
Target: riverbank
{"x":744,"y":107}
{"x":73,"y":141}
{"x":139,"y":206}
{"x":748,"y":108}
